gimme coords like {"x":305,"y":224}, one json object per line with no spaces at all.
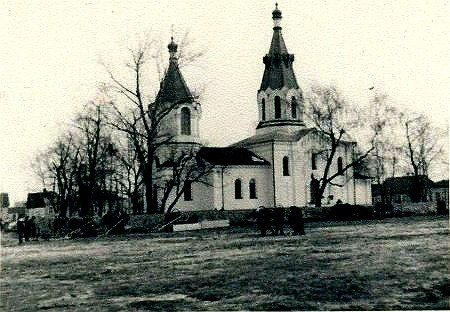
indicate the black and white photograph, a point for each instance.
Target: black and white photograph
{"x":224,"y":155}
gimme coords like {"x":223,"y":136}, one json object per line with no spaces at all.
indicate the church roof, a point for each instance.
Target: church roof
{"x":278,"y":72}
{"x":173,"y":87}
{"x":229,"y":156}
{"x":281,"y":135}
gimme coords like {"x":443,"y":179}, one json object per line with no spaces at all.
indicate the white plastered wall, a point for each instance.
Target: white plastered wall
{"x":344,"y":190}
{"x":261,"y":175}
{"x":202,"y":196}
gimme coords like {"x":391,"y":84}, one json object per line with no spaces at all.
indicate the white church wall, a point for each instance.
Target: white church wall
{"x":286,"y":194}
{"x":301,"y":174}
{"x":363,"y":192}
{"x":217,"y":189}
{"x":284,"y":184}
{"x":262,"y":177}
{"x":344,"y":190}
{"x":202,"y":196}
{"x":300,"y":108}
{"x":262,"y":95}
{"x":171,"y":127}
{"x":295,"y":188}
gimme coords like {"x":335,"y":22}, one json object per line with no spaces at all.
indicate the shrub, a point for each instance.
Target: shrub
{"x":349,"y":212}
{"x":382,"y":210}
{"x":82,"y":227}
{"x":442,"y":208}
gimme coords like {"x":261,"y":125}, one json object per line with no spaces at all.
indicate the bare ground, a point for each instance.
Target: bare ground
{"x":396,"y":264}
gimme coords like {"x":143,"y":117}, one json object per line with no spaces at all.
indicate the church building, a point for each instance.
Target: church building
{"x":273,"y":168}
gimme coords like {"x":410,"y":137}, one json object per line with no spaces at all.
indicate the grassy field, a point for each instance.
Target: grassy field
{"x":383,"y":265}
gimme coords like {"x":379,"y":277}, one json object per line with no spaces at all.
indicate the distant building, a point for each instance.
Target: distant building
{"x":439,"y":191}
{"x":40,"y":204}
{"x":4,"y":200}
{"x":399,"y":190}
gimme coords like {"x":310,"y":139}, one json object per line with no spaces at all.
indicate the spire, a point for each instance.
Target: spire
{"x":173,"y":87}
{"x":278,"y":71}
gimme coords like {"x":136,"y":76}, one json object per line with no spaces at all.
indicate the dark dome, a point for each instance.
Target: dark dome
{"x":276,"y":13}
{"x":172,"y":46}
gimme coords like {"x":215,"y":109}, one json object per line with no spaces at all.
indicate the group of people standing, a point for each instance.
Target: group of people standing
{"x":27,"y":229}
{"x":272,"y":219}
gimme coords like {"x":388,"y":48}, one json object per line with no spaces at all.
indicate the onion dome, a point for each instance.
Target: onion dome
{"x":172,"y":46}
{"x":276,"y":14}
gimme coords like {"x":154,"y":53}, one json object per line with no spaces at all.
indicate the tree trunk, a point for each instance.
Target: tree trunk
{"x":135,"y":202}
{"x":149,"y":189}
{"x":319,"y":196}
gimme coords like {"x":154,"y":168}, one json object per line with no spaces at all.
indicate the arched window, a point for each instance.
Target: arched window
{"x":238,"y":189}
{"x":314,"y":189}
{"x":185,"y":121}
{"x":294,"y":107}
{"x":314,"y":161}
{"x":252,"y":188}
{"x":285,"y":166}
{"x":187,"y":190}
{"x":263,"y":109}
{"x":339,"y":165}
{"x":277,"y":107}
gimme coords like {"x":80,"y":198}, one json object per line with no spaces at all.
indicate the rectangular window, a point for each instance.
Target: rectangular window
{"x":314,"y":161}
{"x":187,"y":191}
{"x":277,"y":107}
{"x":285,"y":166}
{"x":252,"y":189}
{"x":238,"y":189}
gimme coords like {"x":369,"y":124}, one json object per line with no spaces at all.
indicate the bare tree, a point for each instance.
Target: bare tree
{"x":384,"y":121}
{"x":79,"y":165}
{"x":141,"y":118}
{"x":97,"y":156}
{"x":332,"y":119}
{"x":130,"y":172}
{"x":423,"y":148}
{"x":177,"y":176}
{"x":57,"y":168}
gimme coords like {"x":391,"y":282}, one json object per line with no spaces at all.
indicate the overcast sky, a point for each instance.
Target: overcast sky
{"x":51,"y":50}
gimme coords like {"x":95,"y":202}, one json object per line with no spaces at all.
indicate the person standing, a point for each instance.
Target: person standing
{"x":296,"y":221}
{"x":27,"y":229}
{"x":33,"y":232}
{"x":278,"y":220}
{"x":261,"y":220}
{"x":20,"y":229}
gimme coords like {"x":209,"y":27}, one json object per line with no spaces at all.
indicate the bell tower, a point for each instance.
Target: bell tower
{"x":181,"y":113}
{"x":181,"y":124}
{"x":280,"y":99}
